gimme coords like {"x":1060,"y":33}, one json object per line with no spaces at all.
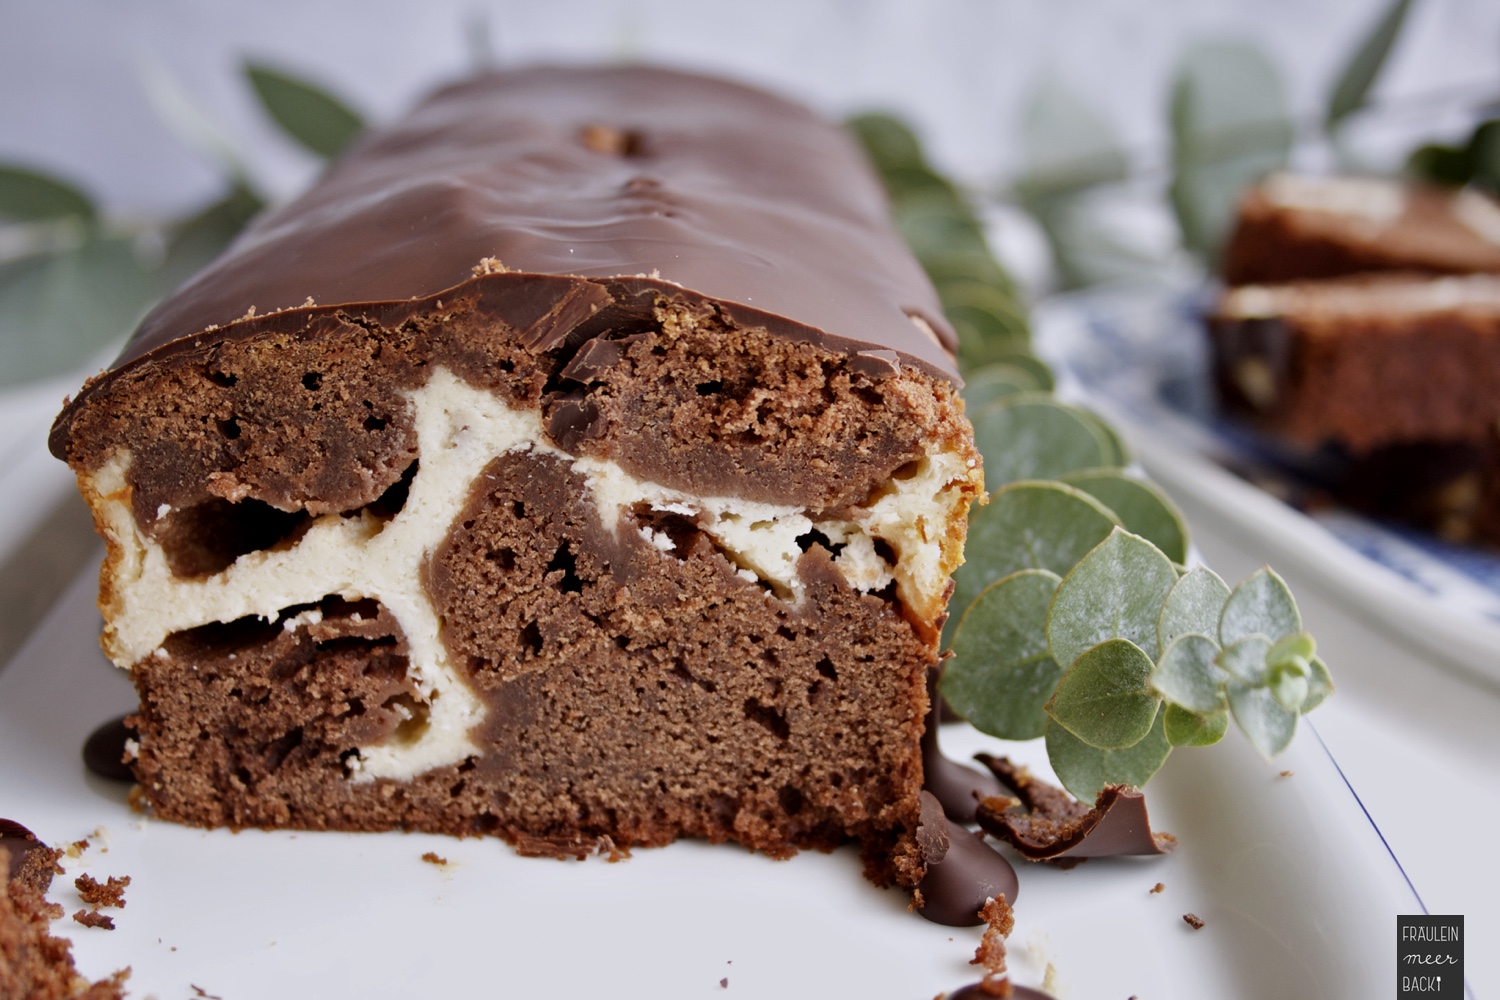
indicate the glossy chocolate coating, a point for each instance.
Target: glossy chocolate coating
{"x":19,"y":845}
{"x":104,"y":750}
{"x":962,"y":870}
{"x":976,"y":991}
{"x":677,"y":181}
{"x":958,"y":787}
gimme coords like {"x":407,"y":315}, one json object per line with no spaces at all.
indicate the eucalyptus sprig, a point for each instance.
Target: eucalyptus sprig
{"x":1075,"y":618}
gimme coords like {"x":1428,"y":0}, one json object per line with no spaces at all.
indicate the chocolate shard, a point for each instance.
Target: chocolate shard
{"x":876,"y":364}
{"x":592,"y":360}
{"x":958,"y":787}
{"x":978,"y":991}
{"x":571,"y":420}
{"x":968,"y":873}
{"x":104,"y":750}
{"x":1049,"y":823}
{"x":551,"y":329}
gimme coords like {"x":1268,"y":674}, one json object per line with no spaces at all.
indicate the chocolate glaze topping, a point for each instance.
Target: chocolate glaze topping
{"x":976,"y":991}
{"x":682,"y":184}
{"x":24,"y":857}
{"x":1049,"y":823}
{"x":962,"y":870}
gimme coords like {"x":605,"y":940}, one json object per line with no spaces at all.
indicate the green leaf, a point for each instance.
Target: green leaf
{"x":30,"y":196}
{"x":1115,"y":592}
{"x":1105,"y":698}
{"x":1484,"y":154}
{"x":1141,"y":508}
{"x":996,"y":381}
{"x":1261,"y":605}
{"x":317,"y":120}
{"x":1246,"y":660}
{"x":1116,"y":455}
{"x":57,"y":310}
{"x":1085,"y":770}
{"x":1187,"y":675}
{"x":1027,"y":525}
{"x":1189,"y":729}
{"x":1230,"y":126}
{"x":1033,"y":436}
{"x":887,"y":139}
{"x":1319,"y":685}
{"x":1195,"y":605}
{"x":199,"y":239}
{"x":1288,"y":687}
{"x":1066,"y":145}
{"x":1268,"y":725}
{"x":990,"y":323}
{"x":1046,"y":382}
{"x":948,"y":268}
{"x":1438,"y":164}
{"x":1359,"y":74}
{"x":1001,"y":674}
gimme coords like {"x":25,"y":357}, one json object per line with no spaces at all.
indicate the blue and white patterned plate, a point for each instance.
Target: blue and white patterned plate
{"x":1138,"y":355}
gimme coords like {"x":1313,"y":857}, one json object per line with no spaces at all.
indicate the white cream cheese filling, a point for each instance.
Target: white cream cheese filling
{"x":460,"y":430}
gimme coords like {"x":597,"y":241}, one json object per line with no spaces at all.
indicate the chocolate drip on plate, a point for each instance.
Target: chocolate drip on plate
{"x":962,"y":870}
{"x":958,"y":787}
{"x":104,"y":750}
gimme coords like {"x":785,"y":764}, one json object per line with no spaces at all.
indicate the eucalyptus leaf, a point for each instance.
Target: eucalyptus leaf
{"x":57,"y":310}
{"x":1298,"y":647}
{"x":996,"y":381}
{"x":1264,"y":721}
{"x":1195,"y":605}
{"x":990,"y":323}
{"x":1115,"y":592}
{"x":1066,"y":145}
{"x":1033,"y":436}
{"x":1028,"y":525}
{"x":317,"y":120}
{"x":948,"y":267}
{"x":1189,"y":729}
{"x":31,"y":196}
{"x":1261,"y":605}
{"x":197,"y":240}
{"x":1451,"y":166}
{"x":1246,"y":660}
{"x":1116,"y":455}
{"x":935,"y":224}
{"x":1141,"y":508}
{"x":1230,"y":126}
{"x":1288,"y":688}
{"x":888,"y":140}
{"x":1038,"y":369}
{"x":1362,"y":69}
{"x":1105,"y":698}
{"x":1085,"y":770}
{"x":1187,"y":675}
{"x":1319,"y":685}
{"x":1001,"y":674}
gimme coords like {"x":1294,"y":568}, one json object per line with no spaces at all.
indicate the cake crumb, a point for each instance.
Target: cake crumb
{"x":76,"y":848}
{"x":433,"y":858}
{"x":1193,"y":920}
{"x":1286,"y":774}
{"x":1000,"y":920}
{"x":93,"y":918}
{"x":488,"y":265}
{"x":199,"y":991}
{"x":724,"y":983}
{"x":1158,"y":888}
{"x":111,"y":893}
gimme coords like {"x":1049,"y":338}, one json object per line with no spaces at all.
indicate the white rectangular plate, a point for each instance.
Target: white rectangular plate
{"x":1298,"y":891}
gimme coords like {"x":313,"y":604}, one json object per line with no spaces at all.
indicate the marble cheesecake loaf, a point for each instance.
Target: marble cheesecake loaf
{"x":580,"y":458}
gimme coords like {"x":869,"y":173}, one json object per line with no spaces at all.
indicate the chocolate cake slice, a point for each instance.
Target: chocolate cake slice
{"x":1295,"y":228}
{"x":580,"y":458}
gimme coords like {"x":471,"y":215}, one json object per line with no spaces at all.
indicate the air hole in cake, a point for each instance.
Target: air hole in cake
{"x":312,"y":381}
{"x":230,"y":428}
{"x":710,"y":388}
{"x":565,"y":562}
{"x":373,"y":424}
{"x":531,"y":638}
{"x":350,"y":760}
{"x":825,"y":667}
{"x":224,"y":379}
{"x":767,"y":716}
{"x":886,"y":551}
{"x":816,"y":537}
{"x":790,"y":800}
{"x":208,"y":537}
{"x":389,"y":504}
{"x":910,"y":470}
{"x":667,"y":530}
{"x":414,"y":717}
{"x":504,"y":558}
{"x":680,"y":670}
{"x":278,"y":751}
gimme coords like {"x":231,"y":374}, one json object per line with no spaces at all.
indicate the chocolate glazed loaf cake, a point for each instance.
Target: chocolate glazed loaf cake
{"x":580,"y":458}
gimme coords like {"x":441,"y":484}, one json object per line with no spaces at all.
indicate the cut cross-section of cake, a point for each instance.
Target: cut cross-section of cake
{"x":581,"y":458}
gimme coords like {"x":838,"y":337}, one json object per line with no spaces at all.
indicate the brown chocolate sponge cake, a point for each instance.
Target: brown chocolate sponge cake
{"x":1392,"y":376}
{"x":580,"y":458}
{"x":1294,"y":228}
